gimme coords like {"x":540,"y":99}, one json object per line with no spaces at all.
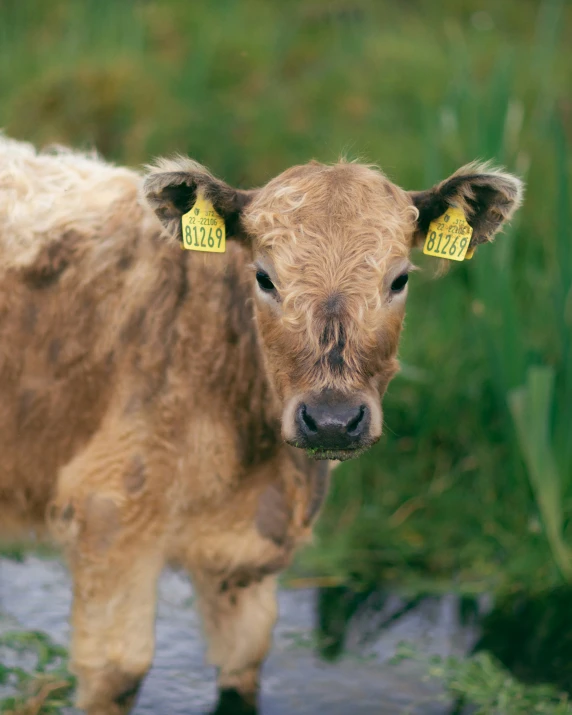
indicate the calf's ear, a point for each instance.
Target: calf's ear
{"x":487,"y":196}
{"x":171,"y":188}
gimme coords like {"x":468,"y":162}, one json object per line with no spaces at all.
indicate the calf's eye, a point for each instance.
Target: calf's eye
{"x":264,"y":281}
{"x":399,"y":283}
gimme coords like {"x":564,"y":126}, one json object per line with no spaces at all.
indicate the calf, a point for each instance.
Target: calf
{"x":163,"y":405}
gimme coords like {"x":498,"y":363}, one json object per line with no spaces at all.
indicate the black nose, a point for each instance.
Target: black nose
{"x":327,"y":426}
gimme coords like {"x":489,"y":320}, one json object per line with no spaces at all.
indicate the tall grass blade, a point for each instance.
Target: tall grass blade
{"x":531,"y":407}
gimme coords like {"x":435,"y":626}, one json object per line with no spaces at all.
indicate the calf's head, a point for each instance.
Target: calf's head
{"x":330,"y":252}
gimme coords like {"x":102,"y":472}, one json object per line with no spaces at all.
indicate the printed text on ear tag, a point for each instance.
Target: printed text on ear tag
{"x":203,"y":228}
{"x":449,"y":236}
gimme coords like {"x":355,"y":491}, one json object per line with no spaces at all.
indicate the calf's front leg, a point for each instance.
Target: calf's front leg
{"x":113,"y":618}
{"x":114,"y":552}
{"x":238,"y":614}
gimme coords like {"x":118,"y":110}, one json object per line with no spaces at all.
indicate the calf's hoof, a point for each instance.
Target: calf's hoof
{"x":231,"y":702}
{"x":113,"y":692}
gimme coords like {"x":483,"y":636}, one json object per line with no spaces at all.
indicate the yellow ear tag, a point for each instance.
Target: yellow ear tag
{"x":449,"y":236}
{"x":203,"y":228}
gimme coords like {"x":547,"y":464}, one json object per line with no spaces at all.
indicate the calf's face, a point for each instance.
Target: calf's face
{"x":331,"y":258}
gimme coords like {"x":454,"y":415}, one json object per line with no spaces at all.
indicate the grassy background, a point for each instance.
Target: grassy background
{"x":471,"y":486}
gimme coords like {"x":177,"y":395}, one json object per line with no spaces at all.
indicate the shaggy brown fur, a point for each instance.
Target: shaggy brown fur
{"x":147,"y":391}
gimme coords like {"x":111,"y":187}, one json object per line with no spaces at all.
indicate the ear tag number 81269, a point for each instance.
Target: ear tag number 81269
{"x":203,"y":228}
{"x":449,"y":236}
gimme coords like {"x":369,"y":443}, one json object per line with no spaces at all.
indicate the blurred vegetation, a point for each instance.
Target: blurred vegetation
{"x":37,"y":673}
{"x":471,"y":486}
{"x":481,"y":682}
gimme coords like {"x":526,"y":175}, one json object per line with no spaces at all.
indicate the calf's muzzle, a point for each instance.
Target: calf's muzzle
{"x":324,"y":426}
{"x":332,"y":425}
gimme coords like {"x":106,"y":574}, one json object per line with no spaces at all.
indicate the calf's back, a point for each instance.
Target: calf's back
{"x":103,"y":322}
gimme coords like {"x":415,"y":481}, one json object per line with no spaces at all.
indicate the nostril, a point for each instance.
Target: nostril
{"x":308,"y":420}
{"x":353,"y":425}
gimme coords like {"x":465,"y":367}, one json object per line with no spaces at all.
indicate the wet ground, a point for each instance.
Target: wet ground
{"x":36,"y":595}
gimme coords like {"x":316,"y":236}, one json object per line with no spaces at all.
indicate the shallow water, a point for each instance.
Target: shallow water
{"x":36,"y":595}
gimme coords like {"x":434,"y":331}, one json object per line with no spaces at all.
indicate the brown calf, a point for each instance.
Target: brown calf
{"x":153,"y":398}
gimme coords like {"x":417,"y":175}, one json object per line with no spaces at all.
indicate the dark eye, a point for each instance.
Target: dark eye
{"x":264,"y":281}
{"x":399,"y":283}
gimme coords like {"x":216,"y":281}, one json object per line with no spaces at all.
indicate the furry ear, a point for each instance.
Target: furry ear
{"x":488,"y":197}
{"x":171,"y":189}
